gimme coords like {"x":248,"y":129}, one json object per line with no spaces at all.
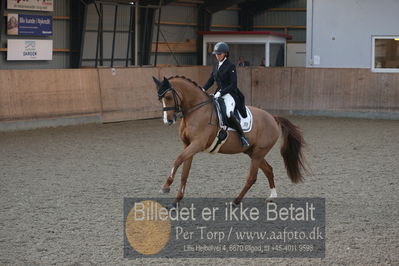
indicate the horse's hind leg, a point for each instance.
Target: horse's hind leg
{"x":268,"y":171}
{"x":251,"y":179}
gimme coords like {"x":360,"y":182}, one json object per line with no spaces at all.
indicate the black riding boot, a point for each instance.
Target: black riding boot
{"x":236,"y":125}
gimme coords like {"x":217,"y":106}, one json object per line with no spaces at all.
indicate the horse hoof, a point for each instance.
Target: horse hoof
{"x":271,"y":198}
{"x":235,"y":205}
{"x":164,"y":190}
{"x":273,"y":193}
{"x":171,"y":206}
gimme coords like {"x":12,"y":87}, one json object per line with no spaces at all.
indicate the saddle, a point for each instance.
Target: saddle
{"x":220,"y":108}
{"x":221,"y":137}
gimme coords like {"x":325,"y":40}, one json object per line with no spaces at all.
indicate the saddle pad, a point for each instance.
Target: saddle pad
{"x":246,"y":123}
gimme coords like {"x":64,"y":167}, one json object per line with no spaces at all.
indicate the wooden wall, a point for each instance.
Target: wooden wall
{"x":199,"y":74}
{"x":129,"y":93}
{"x":33,"y":94}
{"x":322,"y":89}
{"x":244,"y":76}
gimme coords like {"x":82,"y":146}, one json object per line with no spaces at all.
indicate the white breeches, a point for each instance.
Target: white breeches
{"x":230,"y":103}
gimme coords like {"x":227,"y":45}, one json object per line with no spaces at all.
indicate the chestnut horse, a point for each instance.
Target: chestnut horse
{"x":199,"y":127}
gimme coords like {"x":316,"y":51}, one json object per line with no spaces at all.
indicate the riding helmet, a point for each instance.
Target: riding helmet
{"x":221,"y":48}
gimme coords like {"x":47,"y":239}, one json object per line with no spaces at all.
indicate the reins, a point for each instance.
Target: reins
{"x":198,"y":106}
{"x":178,"y":109}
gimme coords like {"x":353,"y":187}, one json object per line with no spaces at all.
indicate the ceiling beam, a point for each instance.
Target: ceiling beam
{"x":257,"y":6}
{"x":212,"y":6}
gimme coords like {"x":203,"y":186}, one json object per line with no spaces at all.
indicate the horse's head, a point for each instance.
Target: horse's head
{"x":170,"y":100}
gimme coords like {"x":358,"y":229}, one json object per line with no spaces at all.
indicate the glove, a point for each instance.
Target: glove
{"x":217,"y":94}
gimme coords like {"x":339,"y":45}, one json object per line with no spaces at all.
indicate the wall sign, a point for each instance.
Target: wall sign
{"x":38,"y":5}
{"x":30,"y":50}
{"x":34,"y":25}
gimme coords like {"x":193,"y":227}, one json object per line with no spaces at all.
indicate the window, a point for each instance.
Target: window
{"x":385,"y":54}
{"x":252,"y":54}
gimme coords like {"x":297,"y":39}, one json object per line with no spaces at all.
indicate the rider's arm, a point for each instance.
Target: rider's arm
{"x":209,"y":83}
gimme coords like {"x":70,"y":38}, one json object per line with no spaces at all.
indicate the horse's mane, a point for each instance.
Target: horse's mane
{"x":183,"y":77}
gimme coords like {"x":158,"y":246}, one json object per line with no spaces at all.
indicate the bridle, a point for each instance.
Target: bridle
{"x":176,"y":98}
{"x":179,"y":112}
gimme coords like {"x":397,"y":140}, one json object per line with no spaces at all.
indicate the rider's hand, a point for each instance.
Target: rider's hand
{"x":217,"y":94}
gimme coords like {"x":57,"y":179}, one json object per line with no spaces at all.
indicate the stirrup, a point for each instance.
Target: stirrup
{"x":244,"y":142}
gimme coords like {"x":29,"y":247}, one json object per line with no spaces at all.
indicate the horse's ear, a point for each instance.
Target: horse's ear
{"x":157,"y":82}
{"x":165,"y":80}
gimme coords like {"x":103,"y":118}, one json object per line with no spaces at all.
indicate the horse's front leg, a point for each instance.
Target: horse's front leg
{"x":184,"y":177}
{"x":187,"y":153}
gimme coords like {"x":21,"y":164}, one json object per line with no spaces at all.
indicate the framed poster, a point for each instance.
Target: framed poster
{"x":33,"y":25}
{"x":29,"y":50}
{"x":42,"y":5}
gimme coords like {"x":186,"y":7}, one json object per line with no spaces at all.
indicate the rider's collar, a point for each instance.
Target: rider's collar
{"x":221,"y":62}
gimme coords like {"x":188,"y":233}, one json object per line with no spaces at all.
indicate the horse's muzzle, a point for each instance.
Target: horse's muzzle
{"x":172,"y":121}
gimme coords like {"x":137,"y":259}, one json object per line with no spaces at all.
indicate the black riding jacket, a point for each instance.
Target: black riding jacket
{"x":226,"y":80}
{"x":225,"y":77}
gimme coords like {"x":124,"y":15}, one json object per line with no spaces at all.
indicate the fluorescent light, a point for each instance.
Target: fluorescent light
{"x":396,"y":39}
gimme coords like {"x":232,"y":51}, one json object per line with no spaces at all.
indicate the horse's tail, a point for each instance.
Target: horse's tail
{"x":291,"y":149}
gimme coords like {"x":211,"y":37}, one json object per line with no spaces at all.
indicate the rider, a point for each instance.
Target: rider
{"x":224,"y":73}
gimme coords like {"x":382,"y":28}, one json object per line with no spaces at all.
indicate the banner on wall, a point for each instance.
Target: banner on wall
{"x":30,"y":50}
{"x":34,"y":25}
{"x":38,"y":5}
